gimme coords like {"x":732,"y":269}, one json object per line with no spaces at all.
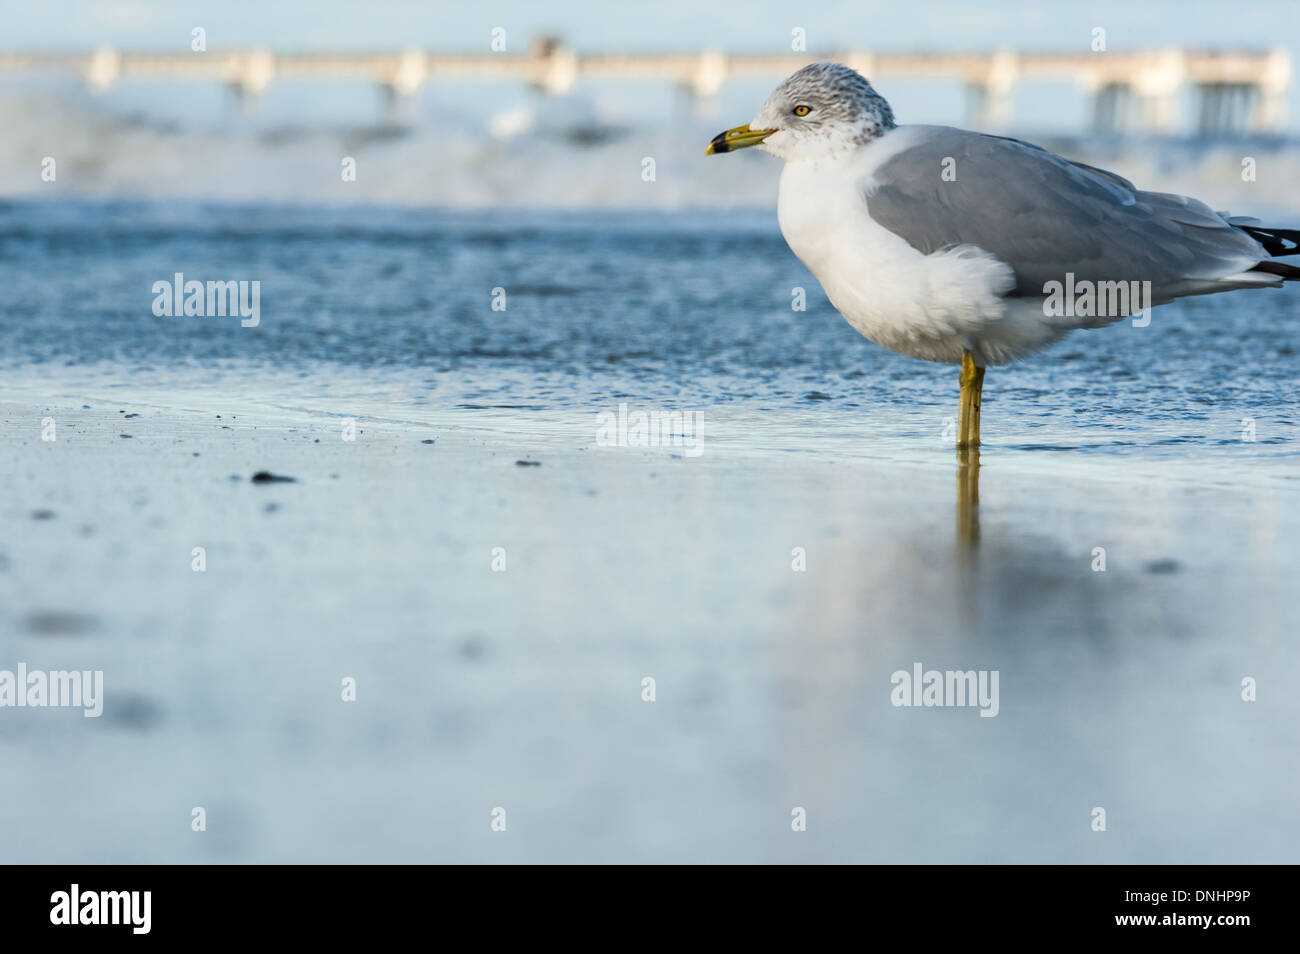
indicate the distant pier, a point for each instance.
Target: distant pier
{"x":1236,"y":91}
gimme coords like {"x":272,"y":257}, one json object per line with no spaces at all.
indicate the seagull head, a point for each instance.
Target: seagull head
{"x":822,"y":109}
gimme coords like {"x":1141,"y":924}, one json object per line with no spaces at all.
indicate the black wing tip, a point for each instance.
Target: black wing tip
{"x":1277,"y":242}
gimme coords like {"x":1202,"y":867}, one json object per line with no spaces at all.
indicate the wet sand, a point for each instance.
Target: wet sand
{"x":522,"y":689}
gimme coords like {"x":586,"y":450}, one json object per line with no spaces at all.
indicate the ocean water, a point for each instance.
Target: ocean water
{"x":1172,"y":447}
{"x":690,"y":309}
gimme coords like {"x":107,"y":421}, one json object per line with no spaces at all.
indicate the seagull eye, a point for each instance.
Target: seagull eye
{"x":802,"y":110}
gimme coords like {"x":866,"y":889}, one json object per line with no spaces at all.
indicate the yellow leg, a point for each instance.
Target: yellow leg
{"x":972,"y":385}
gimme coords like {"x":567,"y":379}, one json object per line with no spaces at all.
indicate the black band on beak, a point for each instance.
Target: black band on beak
{"x":742,"y":137}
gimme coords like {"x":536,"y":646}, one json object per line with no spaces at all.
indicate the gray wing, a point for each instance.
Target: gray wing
{"x":1044,"y":216}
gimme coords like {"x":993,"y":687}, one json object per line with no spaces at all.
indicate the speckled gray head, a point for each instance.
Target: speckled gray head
{"x":820,"y":110}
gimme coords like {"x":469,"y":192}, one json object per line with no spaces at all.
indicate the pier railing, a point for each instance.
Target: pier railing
{"x":1236,"y":89}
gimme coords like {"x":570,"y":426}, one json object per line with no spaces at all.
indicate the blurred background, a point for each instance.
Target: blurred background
{"x":576,"y":94}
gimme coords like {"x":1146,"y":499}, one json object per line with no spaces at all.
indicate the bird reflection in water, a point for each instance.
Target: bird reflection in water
{"x":968,"y":497}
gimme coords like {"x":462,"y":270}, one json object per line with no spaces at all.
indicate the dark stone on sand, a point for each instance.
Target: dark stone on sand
{"x":132,"y":711}
{"x":58,"y":623}
{"x":266,"y":477}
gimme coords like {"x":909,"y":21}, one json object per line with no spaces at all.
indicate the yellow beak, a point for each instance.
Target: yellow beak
{"x":739,"y":138}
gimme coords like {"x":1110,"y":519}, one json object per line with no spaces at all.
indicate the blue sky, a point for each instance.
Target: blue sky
{"x":677,"y":24}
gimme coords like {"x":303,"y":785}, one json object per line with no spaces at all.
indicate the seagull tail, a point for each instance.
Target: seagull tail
{"x":1276,"y":242}
{"x":1288,"y":273}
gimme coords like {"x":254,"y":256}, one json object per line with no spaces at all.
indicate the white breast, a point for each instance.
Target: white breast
{"x":927,"y":306}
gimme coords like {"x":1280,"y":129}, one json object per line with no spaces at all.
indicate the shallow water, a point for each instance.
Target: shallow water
{"x":1119,"y":689}
{"x":691,"y":308}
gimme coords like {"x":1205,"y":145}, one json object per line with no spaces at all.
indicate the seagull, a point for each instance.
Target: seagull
{"x":960,"y":247}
